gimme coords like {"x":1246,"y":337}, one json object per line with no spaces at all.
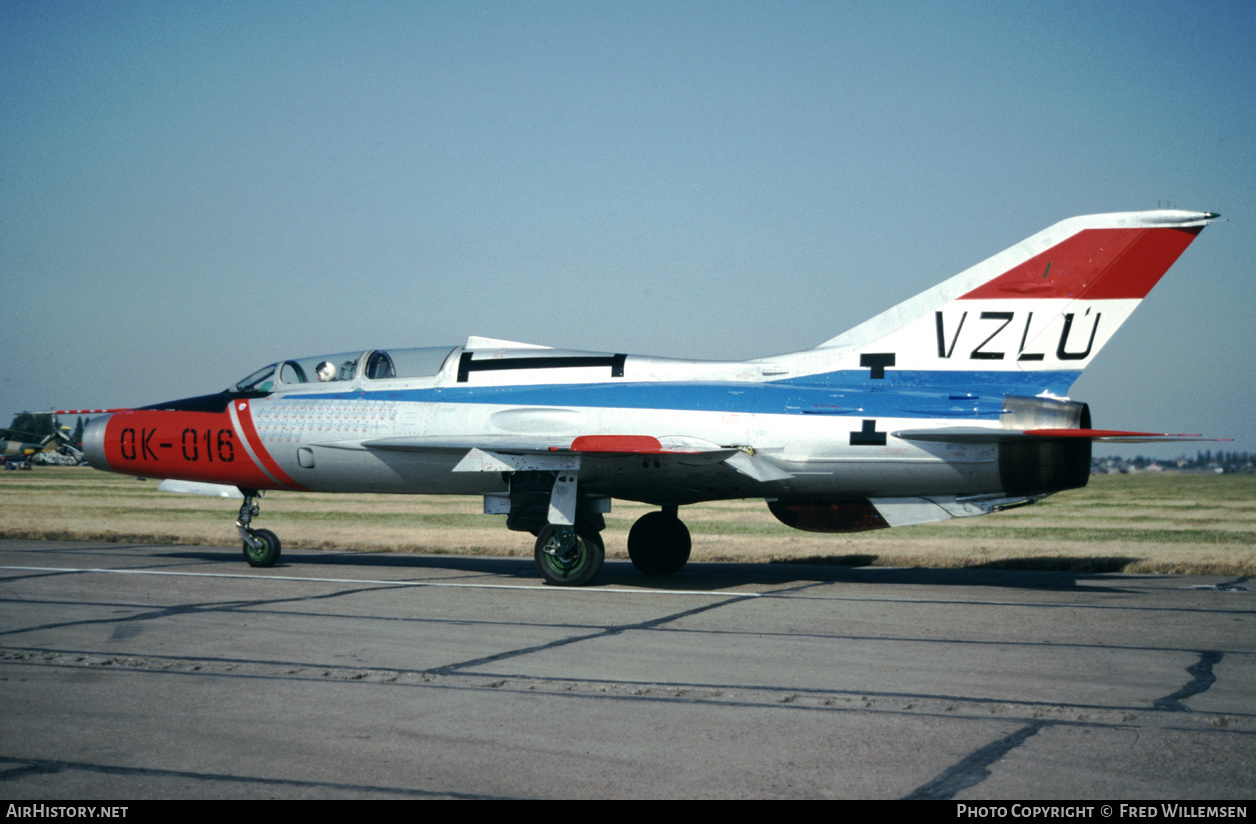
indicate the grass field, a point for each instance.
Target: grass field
{"x":1203,"y":524}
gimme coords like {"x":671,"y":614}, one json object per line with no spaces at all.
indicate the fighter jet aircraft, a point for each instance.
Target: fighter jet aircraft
{"x":950,"y":404}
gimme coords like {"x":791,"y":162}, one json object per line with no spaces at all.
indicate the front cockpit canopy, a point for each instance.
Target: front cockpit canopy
{"x":372,"y":365}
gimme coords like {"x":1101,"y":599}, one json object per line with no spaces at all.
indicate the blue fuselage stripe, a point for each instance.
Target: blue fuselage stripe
{"x":901,"y":393}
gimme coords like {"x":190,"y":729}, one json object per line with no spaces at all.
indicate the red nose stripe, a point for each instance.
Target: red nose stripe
{"x":243,"y":418}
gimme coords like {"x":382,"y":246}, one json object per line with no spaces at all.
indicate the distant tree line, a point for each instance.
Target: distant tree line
{"x":34,"y":427}
{"x":1204,"y":461}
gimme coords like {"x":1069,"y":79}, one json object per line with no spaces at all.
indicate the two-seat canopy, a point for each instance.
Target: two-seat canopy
{"x":372,"y":365}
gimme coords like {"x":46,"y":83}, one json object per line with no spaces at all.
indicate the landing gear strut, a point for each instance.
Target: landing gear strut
{"x":569,"y":556}
{"x":261,"y":546}
{"x":659,"y":543}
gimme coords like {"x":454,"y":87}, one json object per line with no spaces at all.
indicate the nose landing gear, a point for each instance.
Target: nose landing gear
{"x":261,"y":546}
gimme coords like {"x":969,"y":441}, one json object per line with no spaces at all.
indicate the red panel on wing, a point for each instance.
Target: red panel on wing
{"x":633,"y":444}
{"x":1094,"y":264}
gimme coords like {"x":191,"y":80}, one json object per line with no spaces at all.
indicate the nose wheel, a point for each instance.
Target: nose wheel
{"x":261,"y":546}
{"x":263,"y":551}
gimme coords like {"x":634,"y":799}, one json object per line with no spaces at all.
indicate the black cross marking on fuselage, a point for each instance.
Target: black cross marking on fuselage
{"x":877,"y":361}
{"x":868,"y":436}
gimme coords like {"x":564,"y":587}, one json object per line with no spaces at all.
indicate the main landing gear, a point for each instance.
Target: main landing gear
{"x":659,"y":543}
{"x":569,"y":555}
{"x":544,"y":499}
{"x":261,"y":546}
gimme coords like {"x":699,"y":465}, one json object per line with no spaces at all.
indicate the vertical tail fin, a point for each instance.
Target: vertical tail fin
{"x":1030,"y":318}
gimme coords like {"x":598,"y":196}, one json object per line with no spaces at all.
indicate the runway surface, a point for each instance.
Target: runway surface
{"x":136,"y":672}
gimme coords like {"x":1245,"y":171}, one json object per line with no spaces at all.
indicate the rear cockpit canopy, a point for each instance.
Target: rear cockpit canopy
{"x":372,"y":365}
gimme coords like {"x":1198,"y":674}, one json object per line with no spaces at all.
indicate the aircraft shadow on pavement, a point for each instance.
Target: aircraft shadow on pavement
{"x":715,"y":576}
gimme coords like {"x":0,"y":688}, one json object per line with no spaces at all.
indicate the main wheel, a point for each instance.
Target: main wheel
{"x":268,"y":554}
{"x":659,"y":544}
{"x":568,"y":557}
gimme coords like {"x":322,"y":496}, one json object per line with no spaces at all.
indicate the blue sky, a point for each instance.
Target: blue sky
{"x":192,"y":190}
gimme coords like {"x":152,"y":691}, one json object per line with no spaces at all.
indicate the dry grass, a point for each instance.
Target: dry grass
{"x":1202,"y":524}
